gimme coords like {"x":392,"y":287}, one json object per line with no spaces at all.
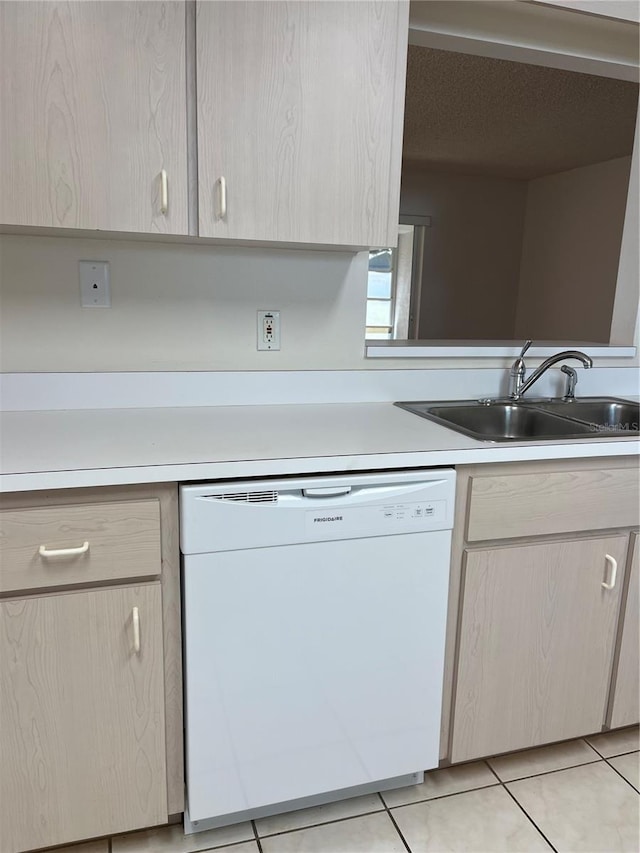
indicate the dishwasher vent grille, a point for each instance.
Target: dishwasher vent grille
{"x":264,"y":497}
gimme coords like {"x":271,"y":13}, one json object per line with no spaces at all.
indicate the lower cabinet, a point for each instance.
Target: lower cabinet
{"x":626,"y":696}
{"x":82,"y":724}
{"x":537,"y":633}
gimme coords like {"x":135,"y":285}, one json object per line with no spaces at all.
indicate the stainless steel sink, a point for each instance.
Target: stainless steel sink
{"x":532,"y":420}
{"x":604,"y":414}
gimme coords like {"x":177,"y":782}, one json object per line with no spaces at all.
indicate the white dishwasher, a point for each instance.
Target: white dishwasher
{"x":314,"y":627}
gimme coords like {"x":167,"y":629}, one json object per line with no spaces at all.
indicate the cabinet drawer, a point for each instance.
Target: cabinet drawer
{"x":94,"y":542}
{"x":511,"y":505}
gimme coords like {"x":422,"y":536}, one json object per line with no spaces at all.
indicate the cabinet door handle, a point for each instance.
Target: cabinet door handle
{"x":221,"y":186}
{"x":63,"y":552}
{"x":164,"y":193}
{"x":135,"y":618}
{"x":613,"y":564}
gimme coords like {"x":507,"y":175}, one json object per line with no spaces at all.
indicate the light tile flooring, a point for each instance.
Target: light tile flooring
{"x":581,"y":795}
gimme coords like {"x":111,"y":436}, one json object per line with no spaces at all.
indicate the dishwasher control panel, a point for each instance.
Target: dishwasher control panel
{"x":375,"y":520}
{"x":415,"y":511}
{"x":289,"y":511}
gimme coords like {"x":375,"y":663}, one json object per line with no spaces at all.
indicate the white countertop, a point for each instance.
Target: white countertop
{"x":64,"y":449}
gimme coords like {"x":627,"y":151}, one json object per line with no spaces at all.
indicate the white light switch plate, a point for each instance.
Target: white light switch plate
{"x":95,"y":290}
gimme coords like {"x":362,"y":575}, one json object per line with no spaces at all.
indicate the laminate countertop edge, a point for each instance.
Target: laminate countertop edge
{"x":85,"y":448}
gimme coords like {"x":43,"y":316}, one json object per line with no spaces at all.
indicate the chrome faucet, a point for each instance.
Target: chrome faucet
{"x":517,"y":384}
{"x":572,"y":381}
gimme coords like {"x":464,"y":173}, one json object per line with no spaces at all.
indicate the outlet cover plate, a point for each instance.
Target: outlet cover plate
{"x":95,"y":289}
{"x":268,"y":330}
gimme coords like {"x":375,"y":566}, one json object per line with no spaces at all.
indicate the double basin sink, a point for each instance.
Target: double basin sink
{"x":534,"y":420}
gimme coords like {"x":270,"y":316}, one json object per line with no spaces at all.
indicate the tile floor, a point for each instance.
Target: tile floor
{"x":582,"y":795}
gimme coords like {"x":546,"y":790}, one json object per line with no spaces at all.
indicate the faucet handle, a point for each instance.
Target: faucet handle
{"x":526,"y":346}
{"x":572,"y":380}
{"x":517,"y":373}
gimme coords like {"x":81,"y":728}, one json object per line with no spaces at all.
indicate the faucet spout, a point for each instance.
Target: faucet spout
{"x":549,"y":362}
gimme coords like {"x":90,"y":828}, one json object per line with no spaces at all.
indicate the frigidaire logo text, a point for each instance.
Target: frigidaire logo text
{"x":328,"y":518}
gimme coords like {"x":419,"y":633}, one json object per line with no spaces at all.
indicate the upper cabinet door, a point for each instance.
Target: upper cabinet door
{"x":92,"y":110}
{"x":300,"y":112}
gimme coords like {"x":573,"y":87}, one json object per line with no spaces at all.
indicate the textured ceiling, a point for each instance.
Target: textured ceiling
{"x":476,"y":115}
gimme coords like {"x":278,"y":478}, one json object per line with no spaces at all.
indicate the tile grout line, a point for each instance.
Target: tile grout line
{"x":498,"y":781}
{"x":256,"y":836}
{"x":224,"y":847}
{"x":388,"y":809}
{"x":323,"y":823}
{"x":606,"y":761}
{"x":611,"y":732}
{"x":525,"y":813}
{"x":546,"y":772}
{"x":617,"y":755}
{"x":592,"y":748}
{"x":441,"y":796}
{"x":393,"y":821}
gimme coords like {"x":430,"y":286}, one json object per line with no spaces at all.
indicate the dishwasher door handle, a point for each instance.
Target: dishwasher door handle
{"x":327,"y":492}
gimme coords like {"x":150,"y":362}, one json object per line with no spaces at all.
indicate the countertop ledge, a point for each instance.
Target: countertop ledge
{"x":83,"y":448}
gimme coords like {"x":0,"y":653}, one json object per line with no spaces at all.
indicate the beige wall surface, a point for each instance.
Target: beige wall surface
{"x":472,"y":253}
{"x":177,"y":307}
{"x":626,"y":10}
{"x":571,"y":252}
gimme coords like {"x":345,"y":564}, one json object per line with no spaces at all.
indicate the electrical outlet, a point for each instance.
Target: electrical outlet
{"x":268,"y":330}
{"x":95,"y":290}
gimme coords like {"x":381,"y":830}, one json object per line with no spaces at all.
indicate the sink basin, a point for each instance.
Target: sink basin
{"x":506,"y":420}
{"x":604,"y":414}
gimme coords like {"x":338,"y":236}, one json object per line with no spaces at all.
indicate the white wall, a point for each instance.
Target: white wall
{"x":539,"y":34}
{"x":472,"y":253}
{"x":625,"y":10}
{"x":177,"y":307}
{"x":571,"y":250}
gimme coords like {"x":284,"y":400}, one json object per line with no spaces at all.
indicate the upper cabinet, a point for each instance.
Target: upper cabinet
{"x":93,"y":116}
{"x":300,"y":110}
{"x":299,"y":118}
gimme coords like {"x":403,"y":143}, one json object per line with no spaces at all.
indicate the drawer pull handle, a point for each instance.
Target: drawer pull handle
{"x":164,"y":193}
{"x":222,"y":198}
{"x":135,"y":618}
{"x":613,"y":563}
{"x":63,"y":552}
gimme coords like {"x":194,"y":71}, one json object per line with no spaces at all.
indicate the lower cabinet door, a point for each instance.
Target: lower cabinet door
{"x":626,"y":696}
{"x":82,"y":735}
{"x":536,"y":644}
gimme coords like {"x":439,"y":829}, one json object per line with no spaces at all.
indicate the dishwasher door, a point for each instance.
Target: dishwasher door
{"x":313,"y":667}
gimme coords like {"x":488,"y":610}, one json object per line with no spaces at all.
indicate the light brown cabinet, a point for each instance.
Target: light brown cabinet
{"x":275,"y":121}
{"x":90,"y":664}
{"x":540,"y":644}
{"x":544,"y":502}
{"x":626,"y":697}
{"x":82,"y":708}
{"x":537,"y":632}
{"x":110,"y":540}
{"x":300,"y":111}
{"x":92,"y":110}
